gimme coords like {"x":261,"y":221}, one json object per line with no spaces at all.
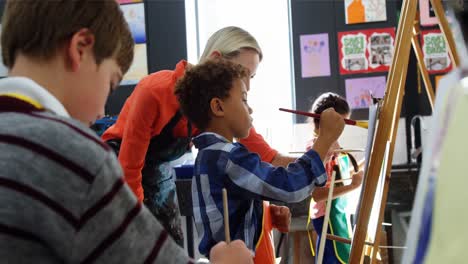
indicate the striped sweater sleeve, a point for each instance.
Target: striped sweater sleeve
{"x":116,"y":228}
{"x":63,"y":199}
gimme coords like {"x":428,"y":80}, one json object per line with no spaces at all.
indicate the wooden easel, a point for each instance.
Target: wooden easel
{"x":386,"y":130}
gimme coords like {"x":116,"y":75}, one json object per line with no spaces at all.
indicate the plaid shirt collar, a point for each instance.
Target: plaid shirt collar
{"x":206,"y":139}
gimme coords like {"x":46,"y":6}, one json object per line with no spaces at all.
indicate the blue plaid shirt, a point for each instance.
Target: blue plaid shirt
{"x":248,"y":181}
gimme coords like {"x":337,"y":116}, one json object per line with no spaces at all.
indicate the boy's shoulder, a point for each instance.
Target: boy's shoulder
{"x":214,"y":142}
{"x":59,"y":137}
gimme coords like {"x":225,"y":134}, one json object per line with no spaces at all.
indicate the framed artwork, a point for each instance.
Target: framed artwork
{"x":365,"y":51}
{"x":364,"y":11}
{"x":435,"y":51}
{"x":135,"y":16}
{"x":427,"y":15}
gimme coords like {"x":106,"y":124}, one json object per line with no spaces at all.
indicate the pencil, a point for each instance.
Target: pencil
{"x":226,"y":217}
{"x":363,"y":124}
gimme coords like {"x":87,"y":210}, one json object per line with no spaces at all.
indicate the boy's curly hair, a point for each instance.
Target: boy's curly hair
{"x":200,"y":84}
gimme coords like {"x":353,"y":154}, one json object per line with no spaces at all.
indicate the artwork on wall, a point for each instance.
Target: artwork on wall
{"x":435,"y":51}
{"x":135,"y":17}
{"x":315,"y":55}
{"x":139,"y":67}
{"x":365,"y":51}
{"x":363,"y":11}
{"x":359,"y":91}
{"x":427,"y":15}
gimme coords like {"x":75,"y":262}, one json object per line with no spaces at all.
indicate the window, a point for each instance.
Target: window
{"x":271,"y":88}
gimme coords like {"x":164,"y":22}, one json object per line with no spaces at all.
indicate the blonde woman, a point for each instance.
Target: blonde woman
{"x":151,"y":131}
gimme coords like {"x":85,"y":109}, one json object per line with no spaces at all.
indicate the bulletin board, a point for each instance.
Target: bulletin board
{"x":322,"y":22}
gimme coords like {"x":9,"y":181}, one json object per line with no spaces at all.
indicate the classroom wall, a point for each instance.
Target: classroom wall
{"x":166,"y":43}
{"x":318,"y":16}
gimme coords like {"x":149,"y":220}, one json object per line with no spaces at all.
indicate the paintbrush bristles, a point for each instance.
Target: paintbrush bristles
{"x":226,"y":216}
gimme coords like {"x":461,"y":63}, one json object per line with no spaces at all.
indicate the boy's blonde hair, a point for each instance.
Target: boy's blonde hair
{"x":38,"y":28}
{"x":229,"y":41}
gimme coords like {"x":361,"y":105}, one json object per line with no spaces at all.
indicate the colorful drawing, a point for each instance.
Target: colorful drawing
{"x":135,"y":17}
{"x":435,"y":51}
{"x":360,"y":91}
{"x":363,"y":11}
{"x":354,"y":52}
{"x":139,"y":67}
{"x":315,"y":55}
{"x":366,"y":50}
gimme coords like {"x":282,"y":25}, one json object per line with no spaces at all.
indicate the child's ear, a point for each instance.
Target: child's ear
{"x":217,"y":107}
{"x":216,"y":54}
{"x":81,"y":44}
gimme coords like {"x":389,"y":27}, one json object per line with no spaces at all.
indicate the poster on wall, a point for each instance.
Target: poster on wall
{"x":366,"y":51}
{"x":360,"y":91}
{"x":135,"y":16}
{"x":427,"y":13}
{"x":315,"y":55}
{"x":364,"y":11}
{"x":435,"y":51}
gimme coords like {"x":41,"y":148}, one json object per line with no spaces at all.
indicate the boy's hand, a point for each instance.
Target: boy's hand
{"x":235,"y":252}
{"x":331,"y":125}
{"x":280,"y":217}
{"x":357,"y":178}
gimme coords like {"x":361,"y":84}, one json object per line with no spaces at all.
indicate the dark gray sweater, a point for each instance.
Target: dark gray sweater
{"x":63,"y":198}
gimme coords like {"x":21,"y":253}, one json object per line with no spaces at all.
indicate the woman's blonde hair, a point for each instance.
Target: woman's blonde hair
{"x":229,"y":41}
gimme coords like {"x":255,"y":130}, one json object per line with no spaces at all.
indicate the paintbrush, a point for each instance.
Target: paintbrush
{"x":363,"y":124}
{"x":226,"y":217}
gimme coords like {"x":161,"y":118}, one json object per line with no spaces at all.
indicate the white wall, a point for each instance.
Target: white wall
{"x":268,"y":22}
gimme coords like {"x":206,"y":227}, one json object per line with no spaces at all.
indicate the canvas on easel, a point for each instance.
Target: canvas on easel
{"x":387,"y":126}
{"x":449,"y":95}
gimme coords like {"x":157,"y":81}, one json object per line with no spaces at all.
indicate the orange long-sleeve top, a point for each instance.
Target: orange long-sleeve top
{"x":146,"y":112}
